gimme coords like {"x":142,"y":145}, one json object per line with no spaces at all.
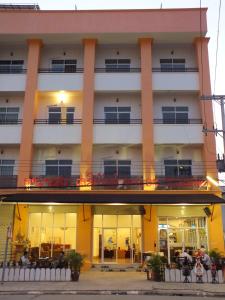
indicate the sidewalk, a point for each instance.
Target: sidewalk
{"x":113,"y":283}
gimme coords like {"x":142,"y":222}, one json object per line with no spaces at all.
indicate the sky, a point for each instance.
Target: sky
{"x":212,"y":18}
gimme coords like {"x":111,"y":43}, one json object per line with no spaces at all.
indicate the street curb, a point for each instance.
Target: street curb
{"x":196,"y":293}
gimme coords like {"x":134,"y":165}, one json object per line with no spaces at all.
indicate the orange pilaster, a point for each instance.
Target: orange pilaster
{"x":150,"y":229}
{"x":87,"y":112}
{"x":29,"y":109}
{"x":147,"y":111}
{"x":84,"y":233}
{"x":209,"y":150}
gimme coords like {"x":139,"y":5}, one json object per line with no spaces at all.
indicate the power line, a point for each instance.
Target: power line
{"x":217,"y":46}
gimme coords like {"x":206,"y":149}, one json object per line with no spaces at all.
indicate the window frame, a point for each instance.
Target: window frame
{"x":117,"y":111}
{"x":177,"y":112}
{"x":121,"y":167}
{"x":59,"y":166}
{"x":117,"y":65}
{"x":8,"y":164}
{"x":172,"y":64}
{"x":66,"y":65}
{"x":15,"y":110}
{"x":180,"y":168}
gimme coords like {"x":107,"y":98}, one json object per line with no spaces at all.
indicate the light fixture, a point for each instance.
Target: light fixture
{"x":213,"y":181}
{"x":61,"y":97}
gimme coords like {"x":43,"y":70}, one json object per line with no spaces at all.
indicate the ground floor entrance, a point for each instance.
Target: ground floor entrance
{"x":117,"y":239}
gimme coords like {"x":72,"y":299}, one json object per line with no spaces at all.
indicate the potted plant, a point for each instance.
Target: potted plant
{"x":154,"y":265}
{"x":216,"y":257}
{"x":75,"y":262}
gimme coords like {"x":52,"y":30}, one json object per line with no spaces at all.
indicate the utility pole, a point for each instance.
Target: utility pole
{"x":220,"y":99}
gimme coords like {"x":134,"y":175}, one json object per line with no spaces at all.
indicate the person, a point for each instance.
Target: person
{"x":184,"y":255}
{"x":199,"y":270}
{"x":61,"y":260}
{"x":206,"y":261}
{"x":24,"y":259}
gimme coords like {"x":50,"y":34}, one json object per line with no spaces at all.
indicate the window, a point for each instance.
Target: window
{"x":172,"y":65}
{"x":117,"y":65}
{"x":117,"y":168}
{"x":64,"y":66}
{"x":6,"y":167}
{"x":58,"y":168}
{"x":54,"y":115}
{"x":117,"y":115}
{"x":175,"y":115}
{"x":178,"y":168}
{"x":9,"y":115}
{"x":70,"y":115}
{"x":11,"y":66}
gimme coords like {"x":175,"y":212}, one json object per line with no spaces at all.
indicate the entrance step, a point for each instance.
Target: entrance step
{"x":116,"y":268}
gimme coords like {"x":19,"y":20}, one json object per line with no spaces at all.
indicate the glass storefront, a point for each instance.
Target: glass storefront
{"x":179,"y":233}
{"x":52,"y":229}
{"x":117,"y":239}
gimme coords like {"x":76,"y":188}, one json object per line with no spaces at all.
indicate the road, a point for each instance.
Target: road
{"x":98,"y":297}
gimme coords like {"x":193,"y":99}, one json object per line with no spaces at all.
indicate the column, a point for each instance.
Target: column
{"x":209,"y":147}
{"x":150,"y":229}
{"x":29,"y":110}
{"x":87,"y":113}
{"x":147,"y":112}
{"x":84,"y":233}
{"x":215,"y":229}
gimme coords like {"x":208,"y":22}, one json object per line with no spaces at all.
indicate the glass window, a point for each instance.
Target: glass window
{"x":109,"y":221}
{"x":54,"y":115}
{"x":172,"y":65}
{"x":120,"y":168}
{"x":178,"y":168}
{"x":11,"y":66}
{"x":58,"y":167}
{"x":117,"y":65}
{"x":124,"y":221}
{"x":97,"y":220}
{"x":175,"y":115}
{"x":9,"y":115}
{"x":117,"y":115}
{"x":52,"y":233}
{"x":70,"y":115}
{"x":6,"y":167}
{"x":67,"y":65}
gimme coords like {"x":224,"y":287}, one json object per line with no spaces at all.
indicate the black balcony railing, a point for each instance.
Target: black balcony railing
{"x":117,"y":70}
{"x":68,"y":70}
{"x":117,"y":121}
{"x":183,"y":122}
{"x":8,"y":181}
{"x":55,"y":122}
{"x":11,"y":122}
{"x":12,"y":70}
{"x":174,"y":69}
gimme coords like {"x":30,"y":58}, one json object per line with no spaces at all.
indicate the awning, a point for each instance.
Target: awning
{"x":103,"y":197}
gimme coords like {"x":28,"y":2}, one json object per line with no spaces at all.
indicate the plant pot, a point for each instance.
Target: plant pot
{"x":75,"y":275}
{"x":156,"y":276}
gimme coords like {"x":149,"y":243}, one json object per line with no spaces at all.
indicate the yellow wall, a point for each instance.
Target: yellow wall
{"x":215,"y":228}
{"x":150,"y":229}
{"x":84,"y":233}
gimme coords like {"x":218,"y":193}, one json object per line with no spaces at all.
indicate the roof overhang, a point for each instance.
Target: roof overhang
{"x":103,"y":197}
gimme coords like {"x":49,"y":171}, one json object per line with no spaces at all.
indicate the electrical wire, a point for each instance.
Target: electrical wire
{"x":217,"y":46}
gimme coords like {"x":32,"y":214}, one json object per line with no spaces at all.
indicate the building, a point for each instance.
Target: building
{"x":101,"y":133}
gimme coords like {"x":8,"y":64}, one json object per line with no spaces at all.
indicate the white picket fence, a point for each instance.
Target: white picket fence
{"x":35,"y":274}
{"x":175,"y":275}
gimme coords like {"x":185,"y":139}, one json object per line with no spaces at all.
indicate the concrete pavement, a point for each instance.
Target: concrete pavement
{"x":117,"y":283}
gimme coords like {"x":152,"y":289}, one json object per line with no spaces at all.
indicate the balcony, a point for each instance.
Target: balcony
{"x":117,"y":131}
{"x":53,"y":80}
{"x":10,"y":131}
{"x":8,"y":181}
{"x":185,"y":79}
{"x":60,"y":132}
{"x":186,"y":133}
{"x":117,"y":79}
